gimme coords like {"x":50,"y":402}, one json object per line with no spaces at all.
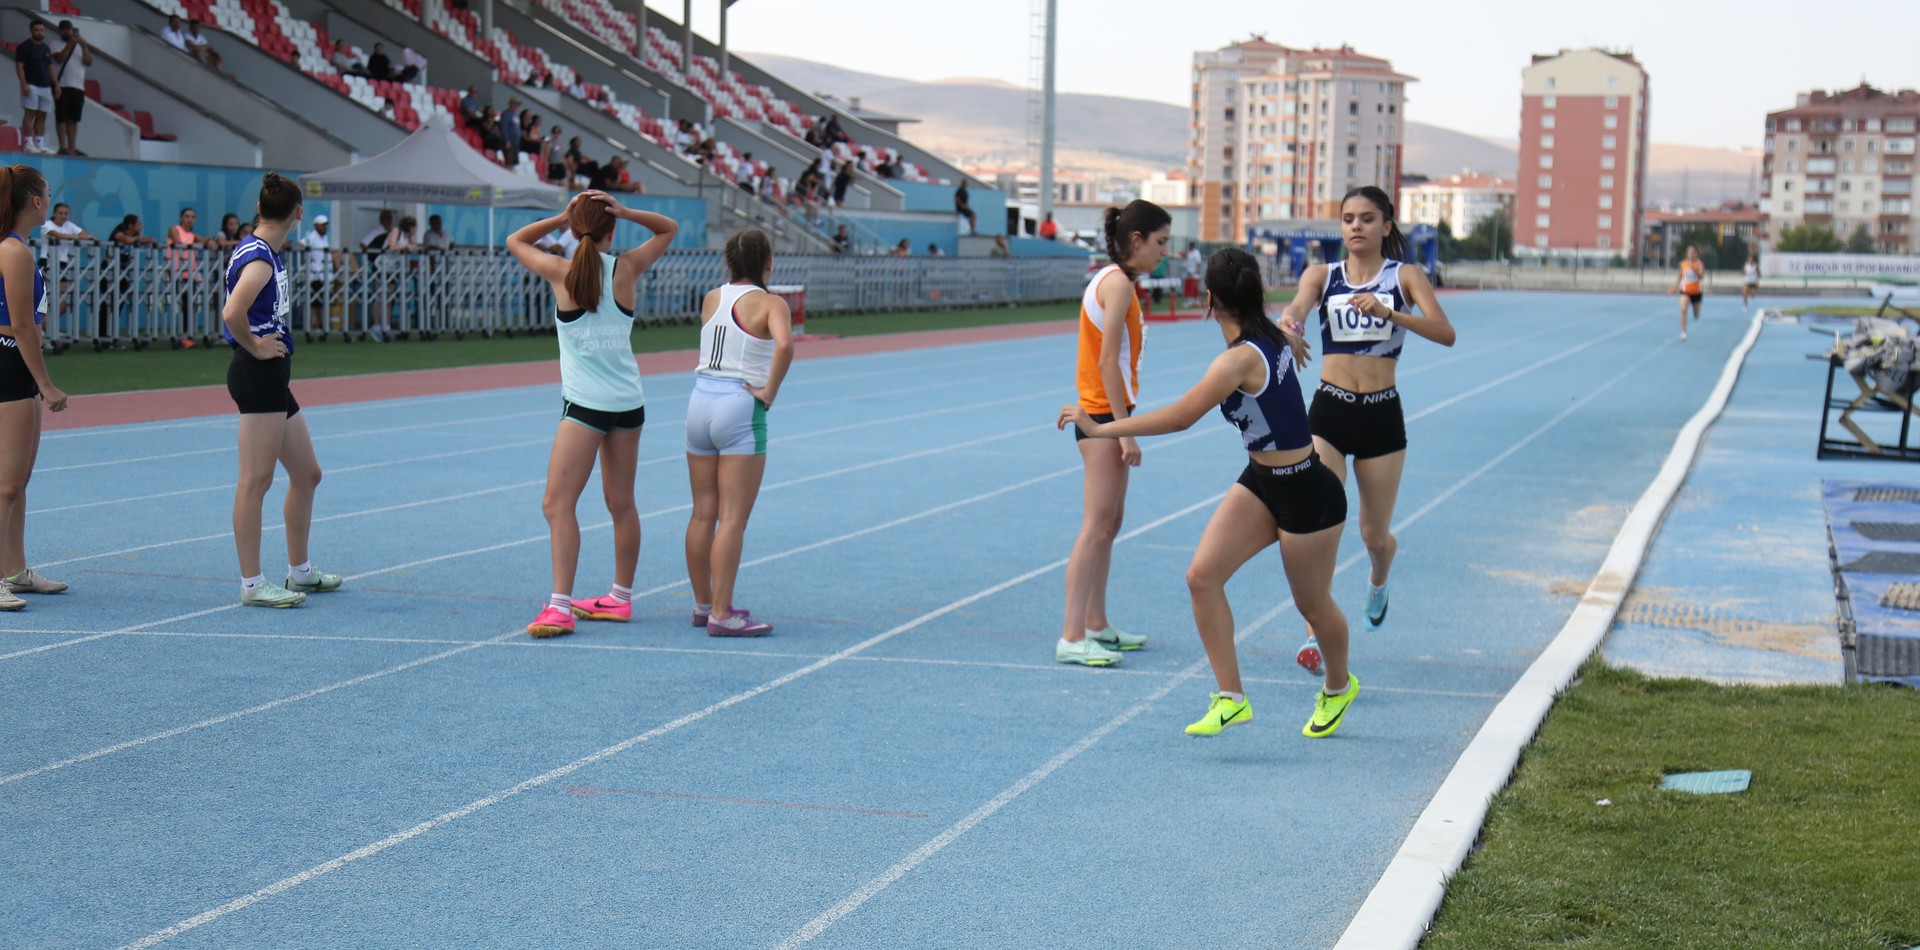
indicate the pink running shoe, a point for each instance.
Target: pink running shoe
{"x":603,"y":608}
{"x":700,"y":619}
{"x":1309,"y":658}
{"x":737,"y":624}
{"x":552,"y":622}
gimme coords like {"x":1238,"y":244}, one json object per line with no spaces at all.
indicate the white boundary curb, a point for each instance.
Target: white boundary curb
{"x":1403,"y":903}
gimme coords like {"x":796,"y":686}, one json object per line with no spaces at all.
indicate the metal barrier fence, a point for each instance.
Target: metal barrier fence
{"x":137,"y":296}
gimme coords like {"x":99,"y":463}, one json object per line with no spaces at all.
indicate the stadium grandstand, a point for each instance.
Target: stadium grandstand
{"x":707,"y":137}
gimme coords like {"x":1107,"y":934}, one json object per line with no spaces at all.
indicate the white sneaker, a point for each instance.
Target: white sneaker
{"x":1114,"y":638}
{"x":8,"y":601}
{"x":30,"y":582}
{"x":1086,"y":653}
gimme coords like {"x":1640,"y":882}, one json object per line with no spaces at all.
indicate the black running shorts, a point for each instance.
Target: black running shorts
{"x":16,"y":381}
{"x":602,"y":421}
{"x":1303,"y":497}
{"x":261,"y":385}
{"x":1363,"y":425}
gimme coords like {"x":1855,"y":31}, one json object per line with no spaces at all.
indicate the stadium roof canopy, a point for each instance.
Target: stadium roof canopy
{"x":433,"y":166}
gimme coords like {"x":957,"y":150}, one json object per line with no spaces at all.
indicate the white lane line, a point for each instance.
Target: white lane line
{"x":288,"y":883}
{"x":887,"y":878}
{"x":1402,"y":903}
{"x":790,"y":552}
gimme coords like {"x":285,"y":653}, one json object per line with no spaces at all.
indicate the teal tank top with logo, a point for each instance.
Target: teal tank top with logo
{"x":597,"y":370}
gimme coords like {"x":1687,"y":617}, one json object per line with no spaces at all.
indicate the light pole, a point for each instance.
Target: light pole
{"x":1046,"y":111}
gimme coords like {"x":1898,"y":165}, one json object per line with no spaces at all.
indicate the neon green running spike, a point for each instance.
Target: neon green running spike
{"x":1222,"y":713}
{"x":1114,"y":638}
{"x":1330,"y":711}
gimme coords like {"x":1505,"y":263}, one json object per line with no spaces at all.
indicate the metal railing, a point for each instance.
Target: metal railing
{"x":107,"y":295}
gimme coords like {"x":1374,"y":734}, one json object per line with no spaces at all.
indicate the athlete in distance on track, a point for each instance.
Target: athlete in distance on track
{"x":602,"y":406}
{"x":746,"y":345}
{"x":1365,"y":303}
{"x":1107,"y":375}
{"x":1285,"y":493}
{"x":259,"y":378}
{"x":1693,"y":273}
{"x":24,"y":382}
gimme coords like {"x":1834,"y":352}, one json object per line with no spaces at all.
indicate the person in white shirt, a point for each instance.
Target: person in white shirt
{"x":319,"y":268}
{"x":1196,"y":268}
{"x":70,"y":72}
{"x":61,"y":229}
{"x":176,"y":35}
{"x":376,"y":236}
{"x":201,"y":48}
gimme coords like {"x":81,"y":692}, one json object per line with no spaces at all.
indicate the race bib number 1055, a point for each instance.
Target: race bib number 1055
{"x":1349,"y":325}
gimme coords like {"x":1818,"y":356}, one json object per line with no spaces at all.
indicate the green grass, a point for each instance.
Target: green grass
{"x":1823,"y":851}
{"x":81,"y":371}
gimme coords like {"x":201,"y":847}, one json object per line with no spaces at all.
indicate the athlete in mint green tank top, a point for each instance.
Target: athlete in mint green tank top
{"x":602,"y":407}
{"x":596,"y":352}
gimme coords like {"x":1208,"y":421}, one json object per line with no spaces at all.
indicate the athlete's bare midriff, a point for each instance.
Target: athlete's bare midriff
{"x":1358,"y":374}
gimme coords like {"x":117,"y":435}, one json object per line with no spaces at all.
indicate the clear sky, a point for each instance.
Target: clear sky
{"x":1717,"y":66}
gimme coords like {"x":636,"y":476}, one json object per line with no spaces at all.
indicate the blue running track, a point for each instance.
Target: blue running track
{"x":901,"y":765}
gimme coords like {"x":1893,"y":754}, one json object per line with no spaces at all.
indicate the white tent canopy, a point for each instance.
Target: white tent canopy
{"x":433,"y":166}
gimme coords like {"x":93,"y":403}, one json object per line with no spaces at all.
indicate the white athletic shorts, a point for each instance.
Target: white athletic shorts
{"x":724,"y":419}
{"x":38,"y":99}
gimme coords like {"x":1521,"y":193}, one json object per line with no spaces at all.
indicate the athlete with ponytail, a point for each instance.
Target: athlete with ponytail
{"x":1365,"y":304}
{"x":259,"y":378}
{"x":746,"y":345}
{"x":1285,"y":493}
{"x":602,"y":407}
{"x":1107,"y":377}
{"x":24,"y":382}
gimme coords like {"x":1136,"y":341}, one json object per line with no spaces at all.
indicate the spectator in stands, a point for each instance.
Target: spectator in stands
{"x":833,"y":134}
{"x":685,"y":138}
{"x":176,"y":35}
{"x":344,"y":62}
{"x":492,"y":140}
{"x":33,"y":62}
{"x":613,"y":177}
{"x":70,"y":75}
{"x":510,"y":130}
{"x":401,"y":237}
{"x":531,"y":141}
{"x":933,"y":250}
{"x":707,"y":152}
{"x":380,"y":66}
{"x":201,"y":48}
{"x":1000,"y":248}
{"x":743,"y":172}
{"x":578,"y":90}
{"x":320,"y":269}
{"x":815,"y":135}
{"x":557,"y":163}
{"x":388,"y":110}
{"x":578,"y":164}
{"x":886,"y":169}
{"x":902,"y":249}
{"x":412,"y":64}
{"x":842,"y":241}
{"x":228,"y":237}
{"x":963,"y":206}
{"x":770,"y":187}
{"x":436,"y":238}
{"x":1048,"y":229}
{"x":376,"y":238}
{"x":842,"y":180}
{"x":183,"y":259}
{"x":61,"y":228}
{"x":470,"y":108}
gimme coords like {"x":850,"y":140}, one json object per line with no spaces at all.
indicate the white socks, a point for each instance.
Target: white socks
{"x":247,"y":584}
{"x":301,"y":572}
{"x":1236,"y":697}
{"x":561,"y":602}
{"x":622,"y":595}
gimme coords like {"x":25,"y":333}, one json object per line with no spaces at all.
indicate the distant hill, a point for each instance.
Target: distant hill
{"x":985,"y":121}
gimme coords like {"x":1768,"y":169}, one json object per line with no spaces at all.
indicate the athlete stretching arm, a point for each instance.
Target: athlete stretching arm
{"x":1293,"y":322}
{"x":1238,"y":368}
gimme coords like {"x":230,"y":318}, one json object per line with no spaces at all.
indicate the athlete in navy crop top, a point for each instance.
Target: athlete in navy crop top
{"x":23,"y":374}
{"x":1285,"y":494}
{"x":1364,"y":303}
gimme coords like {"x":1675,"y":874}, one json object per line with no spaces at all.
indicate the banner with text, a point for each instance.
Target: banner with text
{"x":1839,"y":265}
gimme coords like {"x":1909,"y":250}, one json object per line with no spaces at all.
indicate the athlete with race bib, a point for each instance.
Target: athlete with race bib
{"x":1365,"y":303}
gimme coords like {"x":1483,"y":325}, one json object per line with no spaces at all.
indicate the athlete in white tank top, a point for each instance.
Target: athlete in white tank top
{"x":727,"y":350}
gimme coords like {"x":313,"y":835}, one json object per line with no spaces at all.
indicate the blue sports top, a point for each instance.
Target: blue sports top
{"x":39,"y":292}
{"x":1344,"y":329}
{"x":270,"y":310}
{"x":1275,"y":417}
